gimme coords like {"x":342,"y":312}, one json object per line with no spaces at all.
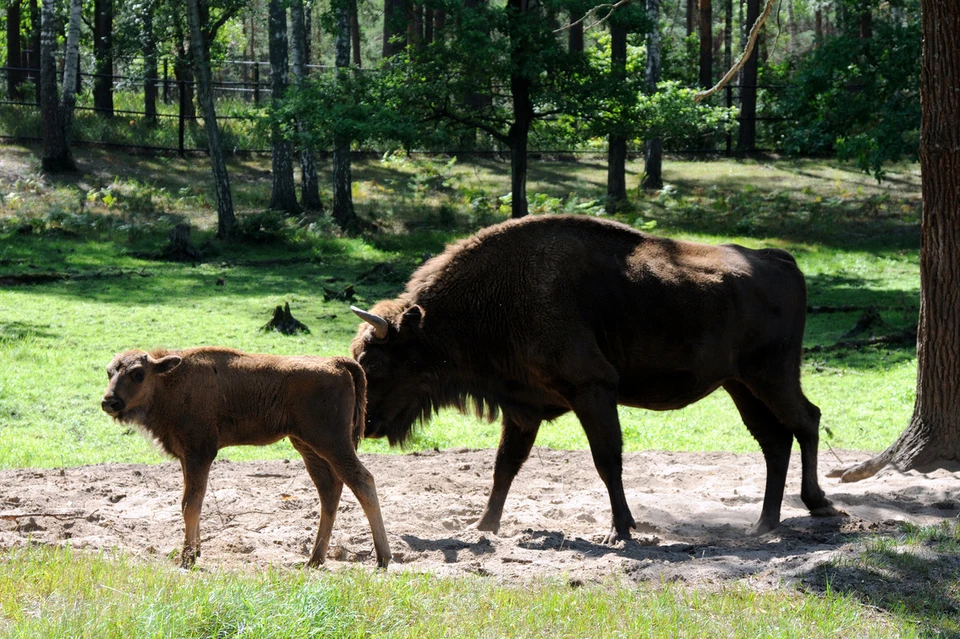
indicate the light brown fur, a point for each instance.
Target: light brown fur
{"x":196,"y":401}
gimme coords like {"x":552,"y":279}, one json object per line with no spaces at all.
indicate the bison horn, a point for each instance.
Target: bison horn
{"x":379,"y":324}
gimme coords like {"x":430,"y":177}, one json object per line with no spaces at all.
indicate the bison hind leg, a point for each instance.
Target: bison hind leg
{"x":329,"y":487}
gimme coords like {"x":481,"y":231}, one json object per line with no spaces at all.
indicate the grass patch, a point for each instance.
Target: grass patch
{"x":55,"y":593}
{"x":77,"y":284}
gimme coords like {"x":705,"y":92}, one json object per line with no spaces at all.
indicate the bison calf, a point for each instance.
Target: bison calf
{"x":196,"y":401}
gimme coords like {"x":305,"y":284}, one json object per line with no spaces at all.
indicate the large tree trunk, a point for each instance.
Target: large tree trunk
{"x":103,"y":57}
{"x":309,"y":185}
{"x":149,"y":64}
{"x":14,"y":51}
{"x":653,"y":166}
{"x":933,"y":435}
{"x":519,"y":133}
{"x":226,"y":220}
{"x":747,"y":139}
{"x":343,"y":212}
{"x":395,"y":14}
{"x":691,"y":17}
{"x":617,"y":142}
{"x":283,"y":196}
{"x":71,"y":68}
{"x":575,"y":33}
{"x":706,"y":43}
{"x":56,"y":151}
{"x":33,"y":62}
{"x":355,"y":34}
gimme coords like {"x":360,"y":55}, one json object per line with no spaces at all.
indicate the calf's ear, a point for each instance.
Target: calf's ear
{"x":166,"y":364}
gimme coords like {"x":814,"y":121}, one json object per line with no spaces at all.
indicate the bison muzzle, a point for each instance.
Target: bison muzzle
{"x":196,"y":401}
{"x":536,"y":317}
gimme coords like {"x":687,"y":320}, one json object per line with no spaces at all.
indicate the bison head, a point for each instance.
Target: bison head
{"x":133,"y":377}
{"x":399,"y":367}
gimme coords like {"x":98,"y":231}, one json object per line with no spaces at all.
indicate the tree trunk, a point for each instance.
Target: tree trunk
{"x":103,"y":57}
{"x":149,"y":65}
{"x":56,"y":151}
{"x":653,"y":165}
{"x":575,"y":33}
{"x":394,"y":26}
{"x":343,"y":212}
{"x":355,"y":34}
{"x":933,"y":434}
{"x":226,"y":220}
{"x":283,"y":196}
{"x":519,"y":133}
{"x":747,"y":139}
{"x":34,"y":60}
{"x":71,"y":70}
{"x":14,"y":51}
{"x":617,"y":142}
{"x":794,"y":29}
{"x":309,"y":185}
{"x":706,"y":43}
{"x":691,"y":17}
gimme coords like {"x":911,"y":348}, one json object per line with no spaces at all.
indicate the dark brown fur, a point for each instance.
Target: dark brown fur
{"x":196,"y":401}
{"x":540,"y":316}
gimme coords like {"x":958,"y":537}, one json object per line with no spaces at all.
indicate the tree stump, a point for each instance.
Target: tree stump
{"x":283,"y":322}
{"x":180,"y":249}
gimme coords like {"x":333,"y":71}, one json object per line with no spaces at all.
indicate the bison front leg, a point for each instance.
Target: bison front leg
{"x":196,"y":470}
{"x":596,"y":408}
{"x":355,"y":475}
{"x":329,"y":487}
{"x":516,"y":441}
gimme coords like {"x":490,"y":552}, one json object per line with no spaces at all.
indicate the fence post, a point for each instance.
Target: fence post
{"x":182,"y":86}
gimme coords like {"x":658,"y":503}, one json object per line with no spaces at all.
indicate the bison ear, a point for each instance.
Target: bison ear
{"x":412,"y":317}
{"x":166,"y":364}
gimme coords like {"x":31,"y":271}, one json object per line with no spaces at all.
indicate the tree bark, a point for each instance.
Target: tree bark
{"x":34,"y":60}
{"x":226,"y":220}
{"x":653,"y":164}
{"x":355,"y":34}
{"x":691,"y":17}
{"x":149,"y":64}
{"x":56,"y":151}
{"x":103,"y":57}
{"x":71,"y":70}
{"x":395,"y":13}
{"x":575,"y":33}
{"x":706,"y":43}
{"x":14,"y":51}
{"x":519,"y":133}
{"x":617,"y":142}
{"x":309,"y":184}
{"x":933,"y":434}
{"x":747,"y":134}
{"x":283,"y":195}
{"x":343,"y":212}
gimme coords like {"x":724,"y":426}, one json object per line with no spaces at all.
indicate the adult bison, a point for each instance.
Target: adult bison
{"x":198,"y":400}
{"x":544,"y":315}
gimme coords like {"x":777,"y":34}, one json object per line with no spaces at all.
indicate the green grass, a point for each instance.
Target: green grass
{"x":61,"y":593}
{"x":856,"y":241}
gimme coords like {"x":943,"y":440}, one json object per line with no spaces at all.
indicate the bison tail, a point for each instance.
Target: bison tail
{"x":359,"y":401}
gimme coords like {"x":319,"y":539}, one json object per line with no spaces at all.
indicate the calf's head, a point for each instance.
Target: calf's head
{"x":133,"y":377}
{"x":401,"y":382}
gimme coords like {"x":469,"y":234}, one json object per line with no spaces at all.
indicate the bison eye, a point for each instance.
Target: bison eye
{"x":137,"y":376}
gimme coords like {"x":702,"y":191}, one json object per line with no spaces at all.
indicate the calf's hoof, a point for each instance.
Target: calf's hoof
{"x":828,"y":511}
{"x":383,"y":562}
{"x":762,"y":527}
{"x":486,"y":525}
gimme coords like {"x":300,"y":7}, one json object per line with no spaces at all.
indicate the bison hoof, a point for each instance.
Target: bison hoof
{"x":383,"y":562}
{"x":486,"y":526}
{"x":828,"y":511}
{"x":762,"y":527}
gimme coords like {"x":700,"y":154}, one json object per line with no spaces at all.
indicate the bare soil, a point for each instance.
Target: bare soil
{"x":692,"y":509}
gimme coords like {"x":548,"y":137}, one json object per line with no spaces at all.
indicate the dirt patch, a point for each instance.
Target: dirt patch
{"x":692,"y":511}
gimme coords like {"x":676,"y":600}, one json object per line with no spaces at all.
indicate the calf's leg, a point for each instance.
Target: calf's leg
{"x":329,"y":486}
{"x":516,"y":441}
{"x":196,"y":470}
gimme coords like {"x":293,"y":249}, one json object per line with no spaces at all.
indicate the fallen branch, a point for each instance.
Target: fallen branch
{"x":754,"y":36}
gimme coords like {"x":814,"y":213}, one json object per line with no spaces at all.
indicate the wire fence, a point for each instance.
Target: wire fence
{"x":169,"y":121}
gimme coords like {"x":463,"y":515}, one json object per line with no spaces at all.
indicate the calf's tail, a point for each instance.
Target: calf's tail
{"x":359,"y":400}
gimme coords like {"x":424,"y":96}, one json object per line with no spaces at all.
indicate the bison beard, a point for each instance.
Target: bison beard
{"x":536,"y":317}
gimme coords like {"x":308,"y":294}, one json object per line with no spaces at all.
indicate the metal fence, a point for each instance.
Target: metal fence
{"x":242,"y":90}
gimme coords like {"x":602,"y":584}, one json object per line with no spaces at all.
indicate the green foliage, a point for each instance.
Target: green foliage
{"x":61,"y":593}
{"x":857,"y":97}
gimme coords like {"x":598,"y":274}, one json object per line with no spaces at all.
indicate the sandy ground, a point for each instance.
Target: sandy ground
{"x":693,"y":510}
